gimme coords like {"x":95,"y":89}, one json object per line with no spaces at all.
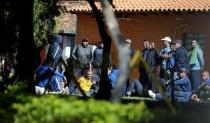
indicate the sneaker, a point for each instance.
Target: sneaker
{"x":152,"y":94}
{"x":128,"y":93}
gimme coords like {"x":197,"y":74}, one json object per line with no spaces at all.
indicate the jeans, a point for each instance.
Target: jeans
{"x":195,"y":76}
{"x":135,"y":85}
{"x":179,"y":96}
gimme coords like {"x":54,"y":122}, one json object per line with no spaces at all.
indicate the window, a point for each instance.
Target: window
{"x":188,"y":37}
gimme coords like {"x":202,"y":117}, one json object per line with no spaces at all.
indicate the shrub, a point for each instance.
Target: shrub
{"x":55,"y":109}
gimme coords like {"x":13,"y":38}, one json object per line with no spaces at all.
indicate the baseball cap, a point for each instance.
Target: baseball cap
{"x":182,"y":70}
{"x":85,"y":39}
{"x":127,"y":40}
{"x":166,"y":39}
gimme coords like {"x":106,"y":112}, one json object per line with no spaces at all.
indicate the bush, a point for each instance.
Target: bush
{"x":55,"y":109}
{"x":16,"y":105}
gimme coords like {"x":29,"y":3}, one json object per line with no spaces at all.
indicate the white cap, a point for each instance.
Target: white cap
{"x":127,"y":40}
{"x":166,"y":39}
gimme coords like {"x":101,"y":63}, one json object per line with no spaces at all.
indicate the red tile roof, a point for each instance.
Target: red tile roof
{"x":140,"y":5}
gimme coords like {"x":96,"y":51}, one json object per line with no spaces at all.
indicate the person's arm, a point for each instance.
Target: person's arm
{"x":91,"y":53}
{"x":200,"y":57}
{"x":207,"y":87}
{"x":180,"y":81}
{"x":74,"y":54}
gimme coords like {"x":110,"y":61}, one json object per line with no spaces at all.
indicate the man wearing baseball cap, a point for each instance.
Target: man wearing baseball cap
{"x":83,"y":56}
{"x":164,"y":55}
{"x":182,"y":87}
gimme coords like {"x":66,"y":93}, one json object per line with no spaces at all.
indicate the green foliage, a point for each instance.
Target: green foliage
{"x":20,"y":107}
{"x":44,"y":12}
{"x":54,"y":109}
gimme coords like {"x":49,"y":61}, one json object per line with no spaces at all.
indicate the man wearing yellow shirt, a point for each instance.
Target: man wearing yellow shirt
{"x":88,"y":83}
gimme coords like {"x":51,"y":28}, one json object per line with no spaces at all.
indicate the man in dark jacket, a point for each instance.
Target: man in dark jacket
{"x":97,"y":58}
{"x":152,"y":60}
{"x":83,"y":56}
{"x":181,"y":57}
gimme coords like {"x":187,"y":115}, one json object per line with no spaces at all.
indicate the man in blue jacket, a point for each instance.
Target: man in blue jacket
{"x":181,"y":57}
{"x":182,"y":87}
{"x":54,"y":56}
{"x":126,"y":89}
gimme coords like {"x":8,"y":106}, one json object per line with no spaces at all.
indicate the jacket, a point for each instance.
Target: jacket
{"x":181,"y":59}
{"x":54,"y":54}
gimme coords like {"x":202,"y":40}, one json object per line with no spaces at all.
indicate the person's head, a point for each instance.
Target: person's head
{"x":182,"y":72}
{"x":205,"y":75}
{"x":146,"y":44}
{"x":194,"y":43}
{"x":85,"y":42}
{"x":166,"y":41}
{"x":152,"y":44}
{"x":173,"y":46}
{"x":101,"y":44}
{"x":178,"y":43}
{"x":89,"y":74}
{"x":149,"y":46}
{"x":128,"y":42}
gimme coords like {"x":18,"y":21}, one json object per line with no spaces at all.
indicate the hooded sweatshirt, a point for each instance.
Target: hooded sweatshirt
{"x":55,"y":52}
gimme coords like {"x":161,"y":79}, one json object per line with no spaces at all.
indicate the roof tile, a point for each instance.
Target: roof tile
{"x":139,"y":5}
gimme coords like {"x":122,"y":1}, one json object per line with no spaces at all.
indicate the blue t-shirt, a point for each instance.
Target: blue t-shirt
{"x":113,"y":77}
{"x":163,"y":51}
{"x":207,"y":81}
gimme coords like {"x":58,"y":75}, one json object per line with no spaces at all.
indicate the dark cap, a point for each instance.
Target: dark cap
{"x":101,"y":42}
{"x":173,"y":42}
{"x":84,"y":39}
{"x":182,"y":70}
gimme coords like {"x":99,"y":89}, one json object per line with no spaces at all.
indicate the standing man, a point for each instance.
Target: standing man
{"x":181,"y":57}
{"x":131,"y":52}
{"x":163,"y":55}
{"x":97,"y":58}
{"x":130,"y":49}
{"x":83,"y":57}
{"x":196,"y":64}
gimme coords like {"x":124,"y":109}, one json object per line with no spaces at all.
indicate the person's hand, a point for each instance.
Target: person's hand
{"x":194,"y":97}
{"x":94,"y":82}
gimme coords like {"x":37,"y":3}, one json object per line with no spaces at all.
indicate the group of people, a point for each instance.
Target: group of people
{"x":179,"y":70}
{"x":173,"y":62}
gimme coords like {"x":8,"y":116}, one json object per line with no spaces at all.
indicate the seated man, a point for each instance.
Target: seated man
{"x":52,"y":81}
{"x":43,"y":73}
{"x":203,"y":92}
{"x":57,"y":83}
{"x":182,"y":88}
{"x":128,"y":87}
{"x":88,"y":83}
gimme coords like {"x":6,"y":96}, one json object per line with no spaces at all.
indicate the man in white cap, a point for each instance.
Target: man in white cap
{"x":164,"y":55}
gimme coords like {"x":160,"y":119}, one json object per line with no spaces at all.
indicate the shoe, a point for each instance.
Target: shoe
{"x":128,"y":93}
{"x":152,"y":94}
